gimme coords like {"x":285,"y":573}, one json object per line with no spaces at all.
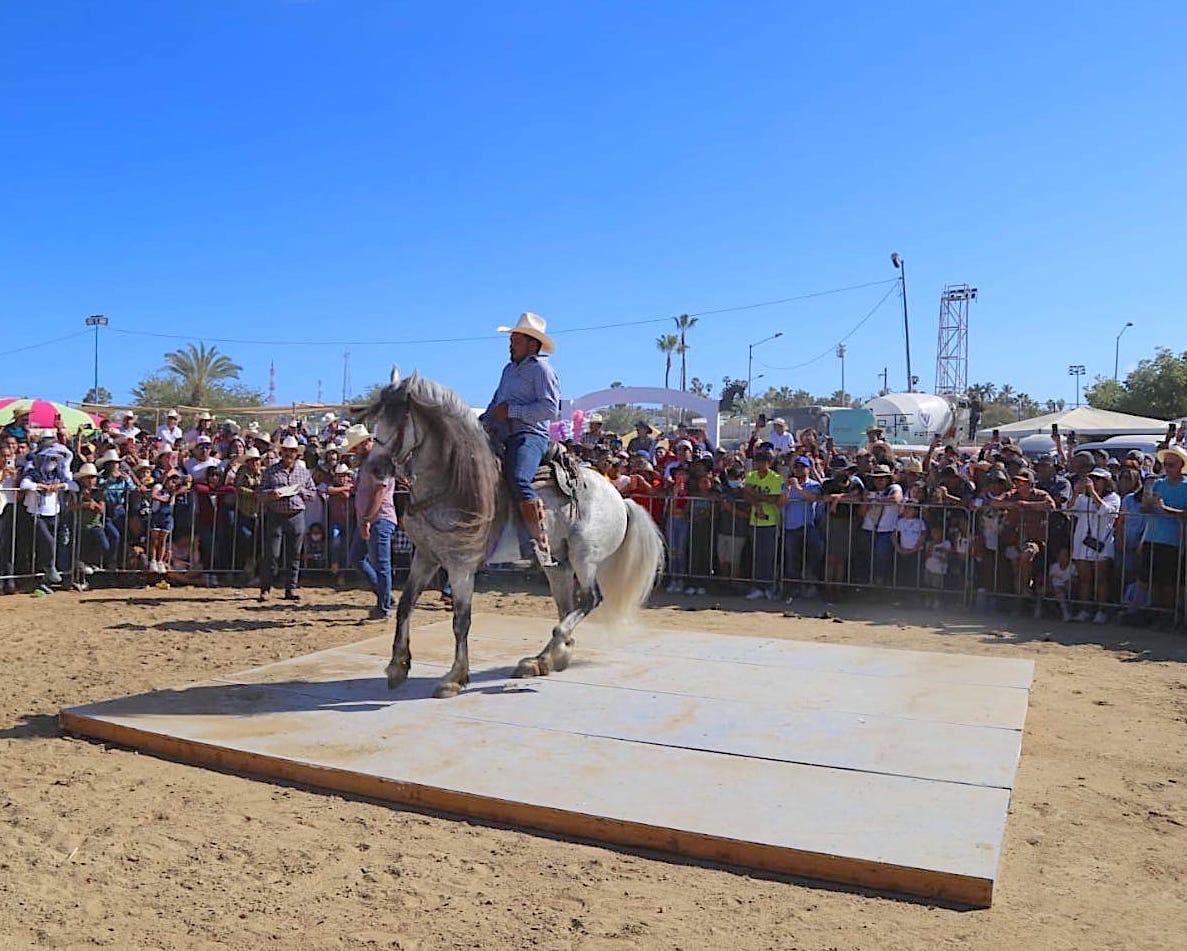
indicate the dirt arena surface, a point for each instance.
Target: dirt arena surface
{"x":102,"y":846}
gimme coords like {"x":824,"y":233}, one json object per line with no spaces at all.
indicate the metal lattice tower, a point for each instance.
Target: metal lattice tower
{"x":952,"y":346}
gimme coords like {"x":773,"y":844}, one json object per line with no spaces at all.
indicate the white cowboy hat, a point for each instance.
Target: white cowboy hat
{"x":355,"y":435}
{"x":290,"y":442}
{"x":1177,"y":451}
{"x":204,"y":415}
{"x":596,"y":418}
{"x":531,"y":325}
{"x":110,"y":456}
{"x":86,"y":469}
{"x":252,"y":453}
{"x":172,"y":414}
{"x":343,"y":469}
{"x":328,"y":417}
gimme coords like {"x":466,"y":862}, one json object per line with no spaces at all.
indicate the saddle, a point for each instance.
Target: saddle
{"x":560,"y":469}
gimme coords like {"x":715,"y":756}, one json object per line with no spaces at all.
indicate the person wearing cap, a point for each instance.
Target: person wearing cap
{"x":763,"y":489}
{"x":1094,"y":513}
{"x":841,"y":494}
{"x":879,"y":519}
{"x":42,"y":482}
{"x":114,"y":485}
{"x":1165,"y":500}
{"x":201,"y":458}
{"x":801,"y":540}
{"x":169,"y":431}
{"x":526,"y":401}
{"x":1028,"y":509}
{"x":284,"y":489}
{"x":336,"y":496}
{"x":642,"y":441}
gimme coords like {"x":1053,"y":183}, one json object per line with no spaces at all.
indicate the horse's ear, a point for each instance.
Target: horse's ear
{"x":412,"y":380}
{"x":395,"y":375}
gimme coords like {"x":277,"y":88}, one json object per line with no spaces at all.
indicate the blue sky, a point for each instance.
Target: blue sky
{"x":360,"y":171}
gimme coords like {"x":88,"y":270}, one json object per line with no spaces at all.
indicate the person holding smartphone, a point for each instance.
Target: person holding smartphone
{"x":1094,"y":509}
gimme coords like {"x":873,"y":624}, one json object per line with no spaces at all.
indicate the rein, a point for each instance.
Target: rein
{"x":402,"y":459}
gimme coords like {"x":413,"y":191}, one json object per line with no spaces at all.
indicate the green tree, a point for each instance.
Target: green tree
{"x":699,"y":387}
{"x":684,"y":323}
{"x":100,"y":396}
{"x":1157,"y":387}
{"x":198,"y":369}
{"x":159,"y":390}
{"x":667,"y":344}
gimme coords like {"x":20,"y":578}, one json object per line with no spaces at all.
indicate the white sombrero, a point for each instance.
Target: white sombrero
{"x":531,"y":325}
{"x":355,"y":436}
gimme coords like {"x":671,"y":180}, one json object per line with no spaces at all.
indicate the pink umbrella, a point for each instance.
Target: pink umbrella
{"x":43,"y":412}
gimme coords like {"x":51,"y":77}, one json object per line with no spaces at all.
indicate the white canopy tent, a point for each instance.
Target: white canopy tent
{"x":1083,"y":421}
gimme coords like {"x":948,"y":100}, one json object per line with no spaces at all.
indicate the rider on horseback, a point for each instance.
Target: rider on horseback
{"x":527,"y":400}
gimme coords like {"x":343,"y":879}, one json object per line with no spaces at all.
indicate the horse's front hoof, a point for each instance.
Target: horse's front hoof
{"x":447,"y":690}
{"x":396,"y":676}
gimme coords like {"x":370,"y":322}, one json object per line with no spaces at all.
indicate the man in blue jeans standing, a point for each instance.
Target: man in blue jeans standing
{"x":375,"y":511}
{"x":527,"y":400}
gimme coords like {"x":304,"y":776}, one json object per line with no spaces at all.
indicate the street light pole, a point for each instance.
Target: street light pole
{"x":96,"y":321}
{"x":750,"y":360}
{"x":841,"y":351}
{"x":897,"y":260}
{"x":1117,"y":349}
{"x":1076,"y":370}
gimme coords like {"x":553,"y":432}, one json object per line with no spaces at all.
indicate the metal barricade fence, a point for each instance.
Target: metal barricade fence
{"x":986,"y":557}
{"x":983,"y":557}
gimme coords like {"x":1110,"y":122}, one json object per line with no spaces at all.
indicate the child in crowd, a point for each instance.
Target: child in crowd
{"x":1135,"y":603}
{"x":935,"y":568}
{"x":315,"y":546}
{"x":164,"y":501}
{"x":909,"y":535}
{"x":1059,"y":584}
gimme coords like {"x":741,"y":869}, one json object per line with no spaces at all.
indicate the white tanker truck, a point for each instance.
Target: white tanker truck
{"x":914,"y":418}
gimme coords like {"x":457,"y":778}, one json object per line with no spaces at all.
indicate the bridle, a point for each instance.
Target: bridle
{"x":401,"y":459}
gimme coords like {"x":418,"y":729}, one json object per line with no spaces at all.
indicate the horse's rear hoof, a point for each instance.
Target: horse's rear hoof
{"x":446,"y":691}
{"x":531,"y":667}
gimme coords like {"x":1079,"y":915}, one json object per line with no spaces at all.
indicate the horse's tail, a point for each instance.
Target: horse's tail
{"x":626,"y":578}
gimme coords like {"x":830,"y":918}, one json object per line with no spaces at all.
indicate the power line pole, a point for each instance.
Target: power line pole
{"x":884,"y":374}
{"x":96,"y":321}
{"x":841,"y":351}
{"x":897,"y":260}
{"x":345,"y":376}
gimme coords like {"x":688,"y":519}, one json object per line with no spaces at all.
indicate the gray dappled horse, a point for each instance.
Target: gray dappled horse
{"x":608,"y":549}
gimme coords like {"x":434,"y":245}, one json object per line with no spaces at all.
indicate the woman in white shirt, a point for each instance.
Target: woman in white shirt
{"x":880,"y":520}
{"x":1093,"y":511}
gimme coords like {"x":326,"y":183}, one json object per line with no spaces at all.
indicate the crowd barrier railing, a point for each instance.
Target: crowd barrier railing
{"x":983,"y":557}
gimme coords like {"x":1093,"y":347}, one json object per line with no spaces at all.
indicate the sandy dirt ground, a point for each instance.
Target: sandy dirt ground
{"x":102,"y":846}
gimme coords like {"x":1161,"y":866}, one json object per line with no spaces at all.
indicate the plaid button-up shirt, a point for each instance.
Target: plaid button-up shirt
{"x":276,"y":476}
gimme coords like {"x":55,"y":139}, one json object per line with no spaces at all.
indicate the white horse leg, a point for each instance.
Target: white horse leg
{"x":419,"y":574}
{"x":574,"y":602}
{"x":459,"y":674}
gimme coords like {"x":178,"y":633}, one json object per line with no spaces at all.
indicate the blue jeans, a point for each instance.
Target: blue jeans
{"x":801,"y":553}
{"x":373,"y":558}
{"x":677,"y":544}
{"x":765,"y":540}
{"x":522,"y":454}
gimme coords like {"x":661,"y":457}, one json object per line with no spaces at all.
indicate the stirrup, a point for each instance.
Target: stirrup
{"x":543,"y":555}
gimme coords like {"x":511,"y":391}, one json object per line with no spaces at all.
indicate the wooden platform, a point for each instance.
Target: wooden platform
{"x":887,"y":769}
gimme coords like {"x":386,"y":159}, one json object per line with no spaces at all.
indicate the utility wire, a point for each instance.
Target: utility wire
{"x":45,"y":343}
{"x":833,"y":346}
{"x":480,"y":337}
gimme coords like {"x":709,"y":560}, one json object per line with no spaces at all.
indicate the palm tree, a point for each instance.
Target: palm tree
{"x":198,"y":369}
{"x":683,"y":323}
{"x":667,"y":344}
{"x":983,"y":391}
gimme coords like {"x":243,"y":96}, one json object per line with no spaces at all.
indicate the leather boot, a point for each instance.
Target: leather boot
{"x":533,"y":516}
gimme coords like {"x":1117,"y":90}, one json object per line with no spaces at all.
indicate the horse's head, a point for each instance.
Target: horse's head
{"x":394,"y":428}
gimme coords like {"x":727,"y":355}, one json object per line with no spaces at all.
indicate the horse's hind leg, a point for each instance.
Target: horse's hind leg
{"x":419,"y":575}
{"x":575,"y":602}
{"x":459,"y":674}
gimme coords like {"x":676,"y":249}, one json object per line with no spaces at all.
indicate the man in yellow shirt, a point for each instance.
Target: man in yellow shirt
{"x":763,"y":489}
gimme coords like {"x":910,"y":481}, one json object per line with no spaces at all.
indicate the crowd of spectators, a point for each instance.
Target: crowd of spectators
{"x":788,"y":514}
{"x":785,"y":515}
{"x":172,"y":502}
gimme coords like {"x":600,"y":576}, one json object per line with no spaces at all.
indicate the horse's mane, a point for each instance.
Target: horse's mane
{"x":467,"y":467}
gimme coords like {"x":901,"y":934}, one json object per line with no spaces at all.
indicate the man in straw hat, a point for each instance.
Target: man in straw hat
{"x":375,"y":510}
{"x":527,"y":400}
{"x":1165,"y":498}
{"x":284,"y":490}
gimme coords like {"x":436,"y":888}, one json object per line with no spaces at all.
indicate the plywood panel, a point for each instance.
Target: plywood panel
{"x":898,"y":803}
